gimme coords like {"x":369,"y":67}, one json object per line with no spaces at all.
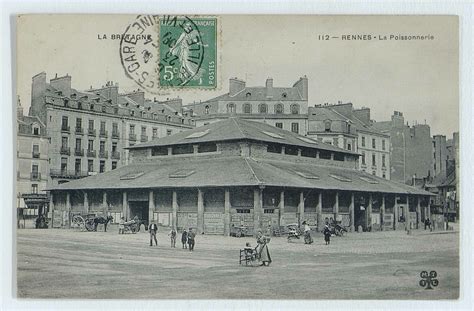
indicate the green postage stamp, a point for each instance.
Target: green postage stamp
{"x":160,"y":52}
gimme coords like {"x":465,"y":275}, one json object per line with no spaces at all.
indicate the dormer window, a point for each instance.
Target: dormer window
{"x":132,"y":113}
{"x":248,"y":94}
{"x":92,"y":106}
{"x":278,"y":108}
{"x":327,"y":125}
{"x":262,"y":108}
{"x":295,"y":109}
{"x":206,"y":110}
{"x":168,"y":118}
{"x":155,"y":116}
{"x":231,"y":108}
{"x":103,"y":109}
{"x":36,"y":130}
{"x":247,"y":108}
{"x":79,"y":105}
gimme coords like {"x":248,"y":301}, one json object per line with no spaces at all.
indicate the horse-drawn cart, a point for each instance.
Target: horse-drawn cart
{"x":89,"y":222}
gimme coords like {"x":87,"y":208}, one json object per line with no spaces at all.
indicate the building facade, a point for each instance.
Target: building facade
{"x":351,"y":129}
{"x":89,"y":130}
{"x":283,"y":107}
{"x":32,"y":168}
{"x":238,"y":172}
{"x":411,"y":148}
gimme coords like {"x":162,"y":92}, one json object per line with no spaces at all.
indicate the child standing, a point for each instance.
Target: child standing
{"x":172,"y":235}
{"x":121,"y":225}
{"x":184,"y":238}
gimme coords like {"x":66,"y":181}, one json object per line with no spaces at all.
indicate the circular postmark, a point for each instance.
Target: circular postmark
{"x":163,"y":51}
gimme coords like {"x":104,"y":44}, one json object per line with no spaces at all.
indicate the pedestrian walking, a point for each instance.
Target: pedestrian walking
{"x":153,"y":228}
{"x":307,"y":234}
{"x":184,"y":238}
{"x":172,"y":236}
{"x":121,"y":225}
{"x":327,"y":234}
{"x":263,"y":252}
{"x":191,"y":238}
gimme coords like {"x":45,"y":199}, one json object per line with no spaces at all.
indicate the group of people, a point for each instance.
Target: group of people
{"x":307,"y":233}
{"x":188,"y":238}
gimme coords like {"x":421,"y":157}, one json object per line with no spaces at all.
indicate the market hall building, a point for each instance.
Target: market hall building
{"x":239,"y":172}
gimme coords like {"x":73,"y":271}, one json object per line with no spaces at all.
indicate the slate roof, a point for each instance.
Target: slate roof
{"x":260,"y":93}
{"x":325,"y":113}
{"x":237,"y":171}
{"x":239,"y":129}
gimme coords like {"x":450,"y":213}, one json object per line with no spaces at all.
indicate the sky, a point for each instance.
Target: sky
{"x":418,"y":78}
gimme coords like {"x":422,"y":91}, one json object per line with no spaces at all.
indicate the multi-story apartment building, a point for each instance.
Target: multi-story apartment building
{"x":32,"y":168}
{"x":283,"y":107}
{"x":440,"y":155}
{"x":88,"y":130}
{"x":348,"y":128}
{"x":411,"y":148}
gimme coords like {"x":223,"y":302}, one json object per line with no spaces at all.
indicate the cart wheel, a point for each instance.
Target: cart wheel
{"x":89,"y":224}
{"x":78,"y":222}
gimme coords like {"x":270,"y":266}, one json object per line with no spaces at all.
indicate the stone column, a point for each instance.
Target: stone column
{"x":382,"y":213}
{"x":418,"y":213}
{"x":299,"y":152}
{"x":105,"y":208}
{"x":317,"y":154}
{"x":195,"y":149}
{"x":174,"y":215}
{"x":283,"y":150}
{"x":226,"y":212}
{"x":428,"y":210}
{"x":170,"y":151}
{"x":257,"y":210}
{"x":51,"y":208}
{"x":407,"y":213}
{"x":200,"y":212}
{"x":336,"y":206}
{"x":151,"y":206}
{"x":282,"y":208}
{"x":319,"y":211}
{"x":369,"y":212}
{"x":86,"y":203}
{"x":332,"y":156}
{"x":395,"y":214}
{"x":125,"y":205}
{"x":351,"y":212}
{"x":301,"y":208}
{"x":68,"y":209}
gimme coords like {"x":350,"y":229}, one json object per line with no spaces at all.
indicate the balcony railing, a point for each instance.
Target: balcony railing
{"x":115,"y":135}
{"x":103,"y":154}
{"x":62,"y":173}
{"x":143,"y":138}
{"x":35,"y":176}
{"x":65,"y":150}
{"x":65,"y":128}
{"x":91,"y":153}
{"x":35,"y":154}
{"x":91,"y":132}
{"x":79,"y":152}
{"x":132,"y":137}
{"x":103,"y":133}
{"x":115,"y":155}
{"x":79,"y":131}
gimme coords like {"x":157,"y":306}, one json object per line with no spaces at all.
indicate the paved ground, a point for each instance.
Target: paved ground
{"x":58,"y":263}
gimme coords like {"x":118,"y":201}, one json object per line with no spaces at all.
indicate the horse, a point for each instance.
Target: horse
{"x":102,"y":220}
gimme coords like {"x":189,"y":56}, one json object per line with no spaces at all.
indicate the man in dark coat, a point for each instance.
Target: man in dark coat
{"x":191,"y":237}
{"x":153,"y":228}
{"x":327,"y":234}
{"x":184,"y":238}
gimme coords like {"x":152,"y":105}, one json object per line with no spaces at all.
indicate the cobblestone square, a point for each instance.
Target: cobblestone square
{"x":379,"y":265}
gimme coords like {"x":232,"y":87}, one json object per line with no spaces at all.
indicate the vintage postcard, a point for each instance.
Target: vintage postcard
{"x":237,"y":157}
